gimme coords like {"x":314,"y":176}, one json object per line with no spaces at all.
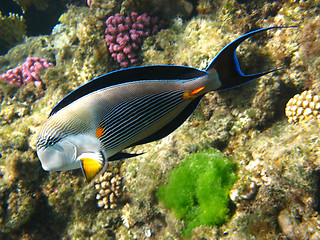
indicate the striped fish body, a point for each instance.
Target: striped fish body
{"x":94,"y":123}
{"x":113,"y":118}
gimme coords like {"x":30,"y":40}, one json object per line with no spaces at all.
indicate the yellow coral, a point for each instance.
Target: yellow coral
{"x":303,"y":106}
{"x":12,"y":29}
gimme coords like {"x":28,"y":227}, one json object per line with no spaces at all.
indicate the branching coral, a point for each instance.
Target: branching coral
{"x":109,"y":187}
{"x":27,"y":72}
{"x":125,"y":35}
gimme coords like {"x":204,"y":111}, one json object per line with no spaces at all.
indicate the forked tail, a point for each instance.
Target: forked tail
{"x":227,"y":65}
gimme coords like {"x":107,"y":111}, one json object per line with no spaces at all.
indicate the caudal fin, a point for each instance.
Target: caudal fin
{"x":227,"y":65}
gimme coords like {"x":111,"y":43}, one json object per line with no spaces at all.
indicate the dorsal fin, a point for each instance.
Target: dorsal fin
{"x":156,"y":72}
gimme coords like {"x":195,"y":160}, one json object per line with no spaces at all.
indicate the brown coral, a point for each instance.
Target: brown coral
{"x":109,"y":186}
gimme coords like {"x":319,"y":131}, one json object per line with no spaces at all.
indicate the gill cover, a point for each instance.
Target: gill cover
{"x":58,"y":157}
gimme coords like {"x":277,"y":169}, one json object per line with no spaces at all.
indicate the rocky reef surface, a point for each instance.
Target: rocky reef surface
{"x":276,"y":191}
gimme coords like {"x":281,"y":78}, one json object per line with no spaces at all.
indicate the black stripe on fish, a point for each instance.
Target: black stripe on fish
{"x":128,"y":119}
{"x":173,"y":125}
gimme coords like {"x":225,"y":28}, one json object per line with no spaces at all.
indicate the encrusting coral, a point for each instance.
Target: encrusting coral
{"x":303,"y":107}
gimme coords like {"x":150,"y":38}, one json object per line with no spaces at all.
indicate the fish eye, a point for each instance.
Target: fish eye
{"x":50,"y":142}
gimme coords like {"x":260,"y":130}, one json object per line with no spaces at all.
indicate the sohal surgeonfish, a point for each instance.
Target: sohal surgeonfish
{"x":124,"y":108}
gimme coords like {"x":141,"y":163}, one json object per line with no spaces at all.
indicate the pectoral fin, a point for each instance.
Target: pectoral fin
{"x":122,"y":155}
{"x":92,"y":164}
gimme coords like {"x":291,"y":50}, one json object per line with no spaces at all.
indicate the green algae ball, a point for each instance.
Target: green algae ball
{"x":198,"y":189}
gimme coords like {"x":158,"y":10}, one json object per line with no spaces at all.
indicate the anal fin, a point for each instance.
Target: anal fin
{"x":92,"y":164}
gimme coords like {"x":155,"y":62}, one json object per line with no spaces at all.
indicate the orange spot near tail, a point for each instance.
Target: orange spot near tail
{"x":99,"y":132}
{"x":190,"y":95}
{"x":197,"y":90}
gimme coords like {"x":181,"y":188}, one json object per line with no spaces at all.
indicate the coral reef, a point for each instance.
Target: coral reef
{"x":302,"y":107}
{"x":276,"y":195}
{"x":198,"y":189}
{"x":27,"y":72}
{"x":125,"y":35}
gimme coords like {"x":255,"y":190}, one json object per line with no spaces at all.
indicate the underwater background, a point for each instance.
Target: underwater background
{"x":245,"y":165}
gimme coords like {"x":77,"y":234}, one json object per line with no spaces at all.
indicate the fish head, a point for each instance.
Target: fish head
{"x":55,"y":151}
{"x":57,"y":156}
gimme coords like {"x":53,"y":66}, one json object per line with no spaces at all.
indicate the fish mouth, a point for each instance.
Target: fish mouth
{"x":59,"y":157}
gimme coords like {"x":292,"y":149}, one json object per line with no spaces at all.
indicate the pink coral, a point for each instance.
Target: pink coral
{"x":27,"y":72}
{"x":125,"y":35}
